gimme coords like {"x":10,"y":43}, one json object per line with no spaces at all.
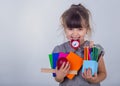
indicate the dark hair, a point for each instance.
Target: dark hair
{"x":77,"y":16}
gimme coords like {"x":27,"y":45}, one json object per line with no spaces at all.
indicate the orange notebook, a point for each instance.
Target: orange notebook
{"x":75,"y":63}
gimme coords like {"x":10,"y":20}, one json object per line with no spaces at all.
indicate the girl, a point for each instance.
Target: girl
{"x":75,"y":22}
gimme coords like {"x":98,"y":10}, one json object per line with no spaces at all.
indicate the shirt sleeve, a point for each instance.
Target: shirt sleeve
{"x":56,"y":49}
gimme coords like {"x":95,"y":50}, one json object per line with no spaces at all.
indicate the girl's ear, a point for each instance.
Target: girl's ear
{"x":87,"y":35}
{"x":87,"y":31}
{"x":61,"y":21}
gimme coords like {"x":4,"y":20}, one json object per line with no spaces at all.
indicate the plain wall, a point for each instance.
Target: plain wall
{"x":30,"y":29}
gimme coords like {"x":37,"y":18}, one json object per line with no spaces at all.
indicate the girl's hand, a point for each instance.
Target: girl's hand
{"x":62,"y":72}
{"x":88,"y":75}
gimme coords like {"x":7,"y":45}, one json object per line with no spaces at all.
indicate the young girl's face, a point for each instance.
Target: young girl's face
{"x":75,"y":34}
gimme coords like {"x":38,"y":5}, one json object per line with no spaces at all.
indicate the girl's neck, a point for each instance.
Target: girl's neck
{"x":82,"y":42}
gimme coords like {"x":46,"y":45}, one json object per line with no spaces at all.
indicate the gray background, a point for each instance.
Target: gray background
{"x":29,"y":30}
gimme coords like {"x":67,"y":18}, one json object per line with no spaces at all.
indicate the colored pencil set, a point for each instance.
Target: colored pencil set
{"x":91,"y":57}
{"x":91,"y":53}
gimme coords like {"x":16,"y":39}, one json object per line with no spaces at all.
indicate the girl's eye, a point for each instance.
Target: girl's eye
{"x":70,"y":28}
{"x":80,"y":28}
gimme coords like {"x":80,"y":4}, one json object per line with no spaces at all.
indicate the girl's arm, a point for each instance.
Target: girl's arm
{"x":59,"y":79}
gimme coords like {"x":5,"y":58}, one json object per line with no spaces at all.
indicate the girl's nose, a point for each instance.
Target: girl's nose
{"x":75,"y":33}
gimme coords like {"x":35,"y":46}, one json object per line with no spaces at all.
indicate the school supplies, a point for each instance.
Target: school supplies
{"x":74,"y":60}
{"x":75,"y":63}
{"x":60,"y":61}
{"x":91,"y":53}
{"x":49,"y":70}
{"x":93,"y":65}
{"x":90,"y":59}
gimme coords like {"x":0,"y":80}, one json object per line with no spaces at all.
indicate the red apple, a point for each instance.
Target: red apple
{"x":60,"y":62}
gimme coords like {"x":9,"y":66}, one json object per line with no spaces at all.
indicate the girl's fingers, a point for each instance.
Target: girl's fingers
{"x":89,"y":73}
{"x":83,"y":75}
{"x":62,"y":67}
{"x":85,"y":72}
{"x":66,"y":66}
{"x":95,"y":76}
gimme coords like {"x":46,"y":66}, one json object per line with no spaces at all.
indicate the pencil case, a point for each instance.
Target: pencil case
{"x":93,"y":65}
